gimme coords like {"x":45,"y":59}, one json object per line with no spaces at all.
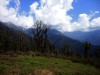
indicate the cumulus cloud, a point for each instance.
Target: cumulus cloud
{"x":10,"y":14}
{"x":95,"y":23}
{"x":51,"y":12}
{"x":82,"y":23}
{"x":85,"y":24}
{"x":54,"y":13}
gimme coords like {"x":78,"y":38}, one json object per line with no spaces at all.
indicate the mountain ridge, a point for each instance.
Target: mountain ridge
{"x":93,"y":36}
{"x":57,"y":39}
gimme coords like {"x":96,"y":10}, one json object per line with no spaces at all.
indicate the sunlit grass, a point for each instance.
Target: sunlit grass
{"x":26,"y":64}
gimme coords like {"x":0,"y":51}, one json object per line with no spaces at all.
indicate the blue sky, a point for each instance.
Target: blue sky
{"x":85,"y":6}
{"x":80,"y":6}
{"x":64,"y":15}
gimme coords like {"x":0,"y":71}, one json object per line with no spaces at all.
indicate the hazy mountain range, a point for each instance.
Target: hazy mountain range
{"x":93,"y":36}
{"x":57,"y":38}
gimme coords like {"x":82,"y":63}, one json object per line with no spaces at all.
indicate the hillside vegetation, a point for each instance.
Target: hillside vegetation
{"x":39,"y":65}
{"x":43,"y":54}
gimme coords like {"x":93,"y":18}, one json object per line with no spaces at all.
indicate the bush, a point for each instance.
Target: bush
{"x":58,"y":73}
{"x":2,"y":69}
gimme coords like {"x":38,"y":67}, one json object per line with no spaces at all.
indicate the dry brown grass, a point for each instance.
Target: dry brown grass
{"x":42,"y":71}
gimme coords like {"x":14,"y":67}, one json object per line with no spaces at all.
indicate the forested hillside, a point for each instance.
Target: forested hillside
{"x":14,"y":40}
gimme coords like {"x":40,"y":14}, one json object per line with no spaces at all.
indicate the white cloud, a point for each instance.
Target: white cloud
{"x":26,"y":21}
{"x":84,"y":23}
{"x":95,"y":23}
{"x":52,"y":12}
{"x":10,"y":14}
{"x":33,"y":7}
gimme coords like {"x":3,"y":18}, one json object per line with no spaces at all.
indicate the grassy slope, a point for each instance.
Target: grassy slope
{"x":26,"y":64}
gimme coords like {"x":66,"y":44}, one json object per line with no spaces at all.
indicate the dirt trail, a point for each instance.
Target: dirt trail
{"x":42,"y":72}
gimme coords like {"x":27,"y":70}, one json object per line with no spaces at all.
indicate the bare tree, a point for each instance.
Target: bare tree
{"x":66,"y":49}
{"x":87,"y":46}
{"x":40,"y":36}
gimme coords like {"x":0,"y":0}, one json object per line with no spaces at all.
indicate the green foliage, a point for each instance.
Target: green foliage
{"x":27,"y":64}
{"x":87,"y":46}
{"x":3,"y":68}
{"x":66,"y":50}
{"x":58,"y":73}
{"x":12,"y":40}
{"x":97,"y":52}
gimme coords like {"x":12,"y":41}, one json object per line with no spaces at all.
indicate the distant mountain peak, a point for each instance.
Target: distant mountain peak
{"x":90,"y":36}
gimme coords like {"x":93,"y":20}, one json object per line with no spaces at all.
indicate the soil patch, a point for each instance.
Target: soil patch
{"x":42,"y":71}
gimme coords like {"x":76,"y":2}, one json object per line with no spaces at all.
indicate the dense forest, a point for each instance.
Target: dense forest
{"x":40,"y":43}
{"x":12,"y":40}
